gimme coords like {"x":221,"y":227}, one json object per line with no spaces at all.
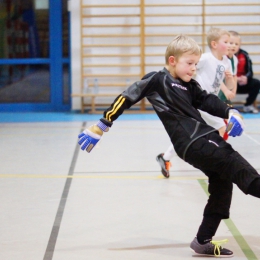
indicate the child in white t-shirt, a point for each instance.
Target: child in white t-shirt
{"x":212,"y":69}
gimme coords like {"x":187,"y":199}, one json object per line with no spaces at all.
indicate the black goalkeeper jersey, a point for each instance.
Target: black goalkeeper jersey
{"x":176,"y":103}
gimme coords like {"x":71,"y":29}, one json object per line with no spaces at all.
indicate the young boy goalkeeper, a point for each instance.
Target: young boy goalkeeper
{"x":176,"y":98}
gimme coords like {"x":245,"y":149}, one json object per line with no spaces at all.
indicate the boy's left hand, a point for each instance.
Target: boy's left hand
{"x":235,"y":125}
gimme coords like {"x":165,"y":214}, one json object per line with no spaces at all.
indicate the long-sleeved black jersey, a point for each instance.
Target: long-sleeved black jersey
{"x":176,"y":103}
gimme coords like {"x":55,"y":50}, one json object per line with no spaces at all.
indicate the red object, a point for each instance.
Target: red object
{"x":241,"y":65}
{"x":225,"y":136}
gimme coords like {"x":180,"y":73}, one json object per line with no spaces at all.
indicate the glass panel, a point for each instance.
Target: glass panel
{"x":24,"y":30}
{"x":24,"y":83}
{"x":66,"y":84}
{"x":65,"y":52}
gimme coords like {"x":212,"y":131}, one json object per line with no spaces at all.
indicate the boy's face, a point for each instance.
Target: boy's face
{"x":185,"y":66}
{"x":222,"y":45}
{"x":234,"y":44}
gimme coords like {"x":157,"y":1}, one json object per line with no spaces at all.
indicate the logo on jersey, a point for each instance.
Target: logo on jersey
{"x":178,"y":86}
{"x":213,"y":143}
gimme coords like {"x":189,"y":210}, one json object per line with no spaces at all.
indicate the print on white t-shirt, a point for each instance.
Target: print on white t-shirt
{"x":219,"y":76}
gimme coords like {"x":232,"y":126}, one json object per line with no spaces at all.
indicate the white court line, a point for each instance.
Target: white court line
{"x":251,"y":138}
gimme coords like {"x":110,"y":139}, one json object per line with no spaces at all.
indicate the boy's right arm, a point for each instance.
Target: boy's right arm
{"x":133,"y":94}
{"x":92,"y":135}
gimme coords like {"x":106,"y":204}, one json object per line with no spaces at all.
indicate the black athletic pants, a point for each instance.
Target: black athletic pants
{"x":251,"y":88}
{"x":223,"y":166}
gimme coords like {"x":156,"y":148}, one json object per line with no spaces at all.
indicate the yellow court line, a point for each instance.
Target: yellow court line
{"x":52,"y":176}
{"x":46,"y":131}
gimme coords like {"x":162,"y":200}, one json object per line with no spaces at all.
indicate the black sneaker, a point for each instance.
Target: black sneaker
{"x":212,"y":249}
{"x":165,"y":165}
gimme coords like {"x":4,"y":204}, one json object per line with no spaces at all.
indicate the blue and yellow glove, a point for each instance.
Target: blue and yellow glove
{"x":235,"y":125}
{"x":92,"y":135}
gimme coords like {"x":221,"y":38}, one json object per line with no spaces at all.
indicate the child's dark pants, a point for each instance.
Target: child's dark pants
{"x":223,"y":166}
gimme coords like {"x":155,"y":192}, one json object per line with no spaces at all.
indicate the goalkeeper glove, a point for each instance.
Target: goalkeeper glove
{"x":91,"y":136}
{"x":235,"y":125}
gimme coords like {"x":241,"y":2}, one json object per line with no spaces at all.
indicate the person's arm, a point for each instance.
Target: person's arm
{"x":133,"y":94}
{"x":213,"y":105}
{"x":228,"y":93}
{"x":234,"y":90}
{"x":229,"y":81}
{"x":209,"y":103}
{"x":235,"y":60}
{"x":242,"y":80}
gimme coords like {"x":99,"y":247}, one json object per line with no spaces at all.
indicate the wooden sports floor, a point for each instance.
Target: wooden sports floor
{"x":58,"y":202}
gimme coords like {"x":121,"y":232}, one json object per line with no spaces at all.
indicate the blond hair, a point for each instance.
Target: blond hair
{"x":179,"y":45}
{"x":234,"y":33}
{"x":214,"y":34}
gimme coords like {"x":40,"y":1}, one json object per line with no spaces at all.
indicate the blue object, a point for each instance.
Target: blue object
{"x":236,"y":129}
{"x":102,"y":126}
{"x":86,"y":141}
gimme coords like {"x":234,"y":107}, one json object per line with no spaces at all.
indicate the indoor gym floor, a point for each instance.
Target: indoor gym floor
{"x":58,"y":202}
